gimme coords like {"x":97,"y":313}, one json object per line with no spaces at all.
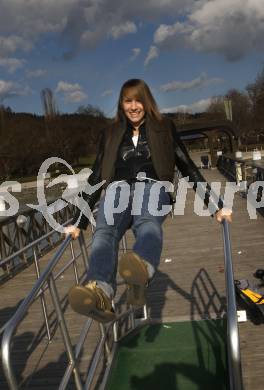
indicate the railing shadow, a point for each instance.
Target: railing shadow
{"x":201,"y":379}
{"x":27,"y":343}
{"x":205,"y":303}
{"x":23,"y":346}
{"x":6,"y":313}
{"x":204,"y":300}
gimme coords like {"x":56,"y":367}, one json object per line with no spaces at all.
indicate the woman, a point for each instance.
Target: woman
{"x":139,"y":141}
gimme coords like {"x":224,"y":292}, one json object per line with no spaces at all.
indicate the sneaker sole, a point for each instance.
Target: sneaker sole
{"x":135,"y":275}
{"x":83,"y":302}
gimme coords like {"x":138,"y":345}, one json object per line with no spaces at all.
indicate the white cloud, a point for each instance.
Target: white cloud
{"x":123,"y":29}
{"x":22,"y":22}
{"x":34,"y":17}
{"x":10,"y":44}
{"x":152,"y":54}
{"x":75,"y":96}
{"x":198,"y":106}
{"x":63,"y":86}
{"x":6,"y":87}
{"x":135,"y":53}
{"x":72,"y":93}
{"x":107,"y":92}
{"x":35,"y":73}
{"x":12,"y":64}
{"x":232,"y":28}
{"x":169,"y":35}
{"x":81,"y":24}
{"x":200,"y":81}
{"x":10,"y":89}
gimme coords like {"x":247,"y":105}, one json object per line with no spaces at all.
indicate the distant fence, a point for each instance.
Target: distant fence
{"x":251,"y":147}
{"x":247,"y":171}
{"x":20,"y":231}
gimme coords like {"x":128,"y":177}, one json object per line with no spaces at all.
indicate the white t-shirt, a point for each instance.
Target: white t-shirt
{"x":135,"y":140}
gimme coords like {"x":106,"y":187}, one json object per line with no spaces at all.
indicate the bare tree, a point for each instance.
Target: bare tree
{"x":217,"y":106}
{"x":241,"y":109}
{"x":91,"y":111}
{"x":256,"y":95}
{"x":48,"y":102}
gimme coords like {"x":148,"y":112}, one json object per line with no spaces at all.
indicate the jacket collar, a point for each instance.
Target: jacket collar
{"x":149,"y":123}
{"x":129,"y":126}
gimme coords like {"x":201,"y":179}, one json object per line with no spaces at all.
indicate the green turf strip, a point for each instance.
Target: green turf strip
{"x":172,"y":356}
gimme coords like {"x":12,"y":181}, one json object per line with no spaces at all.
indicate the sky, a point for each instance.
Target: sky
{"x":84,"y":50}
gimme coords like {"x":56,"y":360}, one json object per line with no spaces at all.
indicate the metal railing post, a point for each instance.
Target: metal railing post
{"x":75,"y":269}
{"x":42,"y":297}
{"x":6,"y":358}
{"x":10,"y":327}
{"x":64,"y":331}
{"x":124,"y":243}
{"x":83,"y":249}
{"x":234,"y":359}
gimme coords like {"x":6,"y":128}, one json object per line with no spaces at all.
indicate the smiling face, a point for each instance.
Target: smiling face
{"x":135,"y":102}
{"x":133,"y":109}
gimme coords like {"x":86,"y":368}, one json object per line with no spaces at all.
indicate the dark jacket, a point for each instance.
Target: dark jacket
{"x":166,"y":148}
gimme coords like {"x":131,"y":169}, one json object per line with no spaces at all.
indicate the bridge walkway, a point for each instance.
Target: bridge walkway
{"x":189,"y":285}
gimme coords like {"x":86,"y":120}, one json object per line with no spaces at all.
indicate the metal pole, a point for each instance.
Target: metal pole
{"x":74,"y":264}
{"x":234,"y":360}
{"x":115,"y":326}
{"x":103,"y":332}
{"x":6,"y":357}
{"x":64,"y":331}
{"x":42,"y":297}
{"x":78,"y":348}
{"x":94,"y":364}
{"x":124,"y":243}
{"x":132,"y":318}
{"x":145,"y":310}
{"x":10,"y":328}
{"x":83,"y":249}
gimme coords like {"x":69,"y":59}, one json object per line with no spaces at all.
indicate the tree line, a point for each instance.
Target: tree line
{"x":27,"y":140}
{"x":247,"y":109}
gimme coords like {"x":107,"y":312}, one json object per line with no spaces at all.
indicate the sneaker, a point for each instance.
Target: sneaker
{"x":91,"y":301}
{"x":134,"y":271}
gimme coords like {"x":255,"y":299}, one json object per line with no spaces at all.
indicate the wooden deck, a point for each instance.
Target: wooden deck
{"x":189,"y":285}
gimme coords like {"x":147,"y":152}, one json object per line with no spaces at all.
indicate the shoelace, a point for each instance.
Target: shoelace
{"x":99,"y":293}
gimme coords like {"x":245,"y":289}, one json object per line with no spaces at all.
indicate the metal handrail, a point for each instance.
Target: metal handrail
{"x":30,"y":245}
{"x":15,"y":234}
{"x":47,"y":281}
{"x":47,"y":278}
{"x":21,"y":312}
{"x":234,"y":359}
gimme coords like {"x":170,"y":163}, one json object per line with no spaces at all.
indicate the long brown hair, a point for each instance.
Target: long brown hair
{"x":137,"y":89}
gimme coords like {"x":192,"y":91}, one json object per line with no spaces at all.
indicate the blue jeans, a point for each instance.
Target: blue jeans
{"x":137,"y":215}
